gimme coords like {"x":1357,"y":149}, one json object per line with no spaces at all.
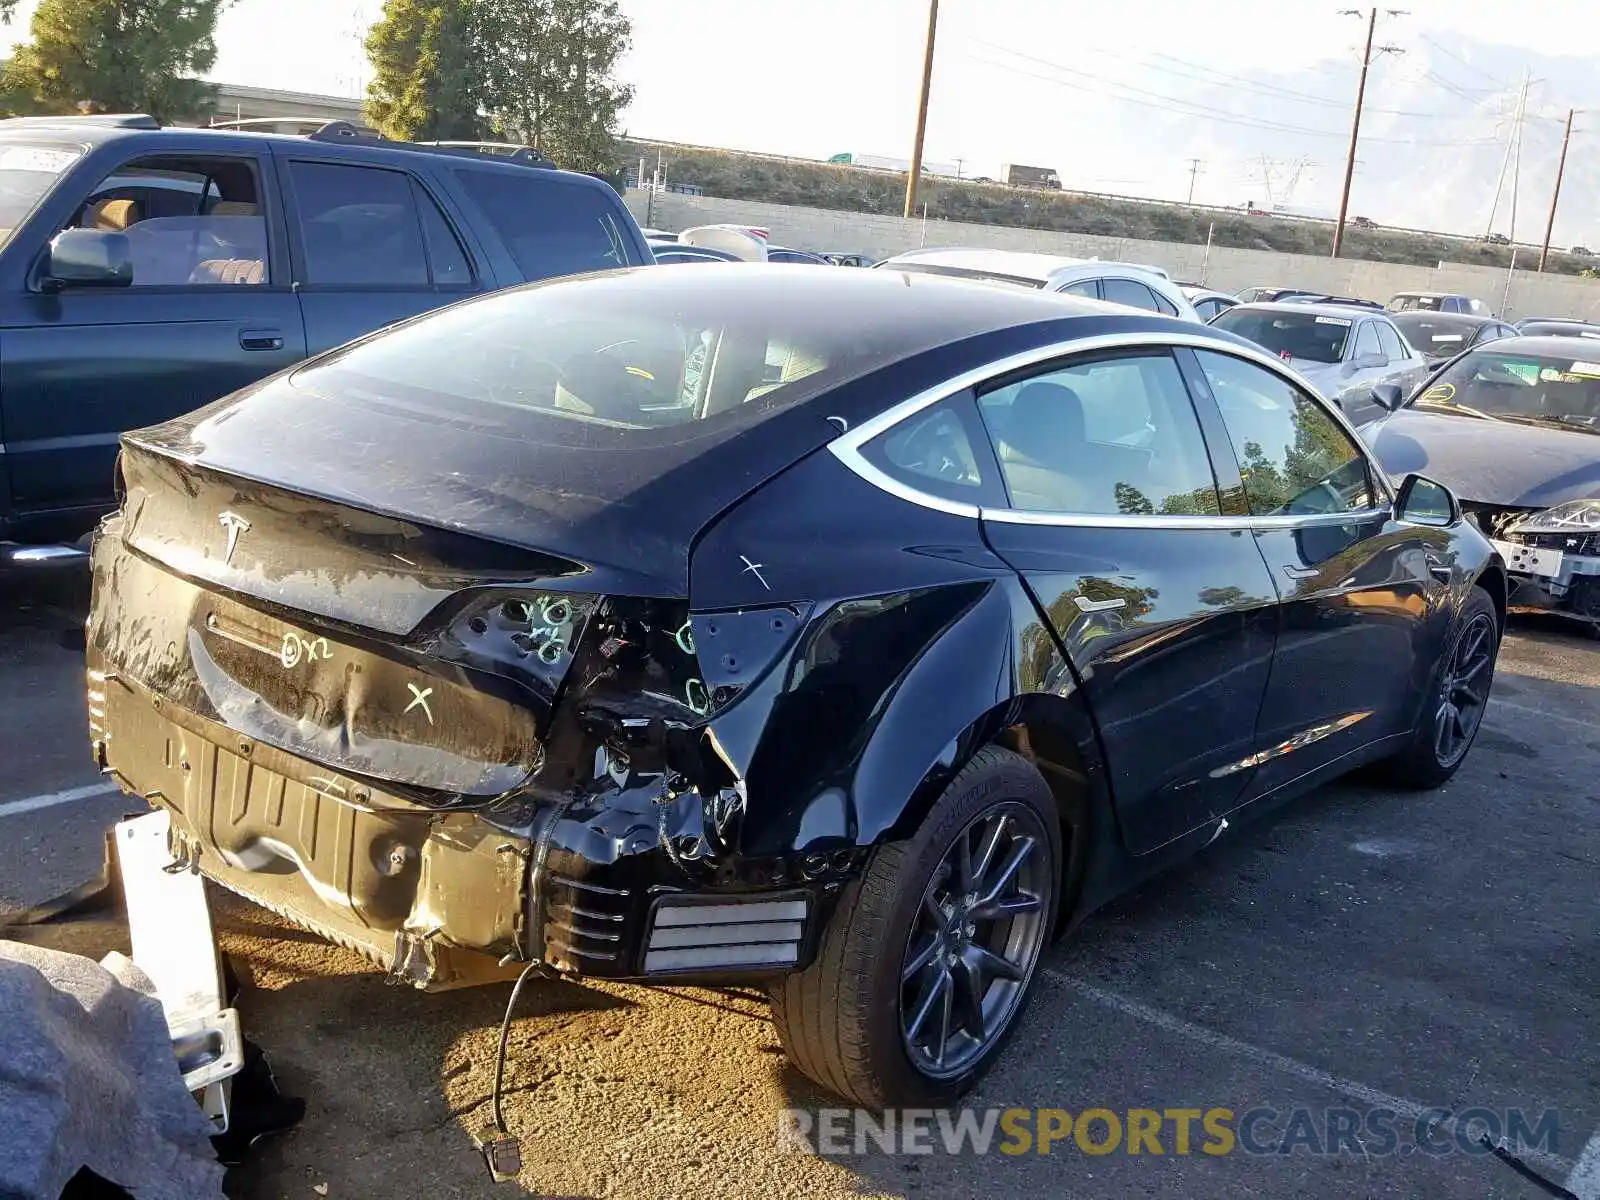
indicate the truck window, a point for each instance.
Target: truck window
{"x":191,"y":220}
{"x":359,"y":226}
{"x":549,"y":226}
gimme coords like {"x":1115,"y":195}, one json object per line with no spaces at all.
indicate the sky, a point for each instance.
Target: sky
{"x":1116,"y":97}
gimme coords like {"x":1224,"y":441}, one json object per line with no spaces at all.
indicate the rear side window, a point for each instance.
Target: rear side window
{"x":1084,"y":287}
{"x":1110,"y":436}
{"x":549,"y":226}
{"x":359,"y":226}
{"x":935,"y":451}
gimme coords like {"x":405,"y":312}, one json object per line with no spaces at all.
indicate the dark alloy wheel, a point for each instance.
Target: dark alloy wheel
{"x":927,"y":961}
{"x":977,"y":937}
{"x":1464,"y":690}
{"x":1454,"y":709}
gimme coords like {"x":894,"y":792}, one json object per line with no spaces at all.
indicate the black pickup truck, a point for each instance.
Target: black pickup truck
{"x":145,"y":271}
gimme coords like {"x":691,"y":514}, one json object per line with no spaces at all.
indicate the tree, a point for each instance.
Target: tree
{"x":428,"y":59}
{"x":116,"y":56}
{"x":550,"y":77}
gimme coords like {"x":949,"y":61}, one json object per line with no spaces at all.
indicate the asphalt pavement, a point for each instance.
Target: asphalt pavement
{"x":1362,"y":951}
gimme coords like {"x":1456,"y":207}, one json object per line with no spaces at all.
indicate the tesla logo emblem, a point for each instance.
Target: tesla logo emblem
{"x":419,"y":699}
{"x":235,"y":525}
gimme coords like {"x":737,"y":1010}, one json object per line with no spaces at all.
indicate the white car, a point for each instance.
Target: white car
{"x":1341,"y":349}
{"x":1132,"y":285}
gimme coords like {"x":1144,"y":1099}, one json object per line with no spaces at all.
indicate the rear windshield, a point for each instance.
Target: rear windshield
{"x":1561,"y":391}
{"x":1302,"y":336}
{"x":636,"y":357}
{"x":1437,"y":333}
{"x":27,"y":171}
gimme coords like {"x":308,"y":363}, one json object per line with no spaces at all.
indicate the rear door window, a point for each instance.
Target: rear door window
{"x":1084,"y":287}
{"x":549,"y":226}
{"x":359,"y":226}
{"x":1116,"y":435}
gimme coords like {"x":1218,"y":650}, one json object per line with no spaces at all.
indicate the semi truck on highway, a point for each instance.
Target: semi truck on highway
{"x":1039,"y":177}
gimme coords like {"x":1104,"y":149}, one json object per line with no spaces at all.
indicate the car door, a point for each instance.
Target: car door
{"x":1363,"y":596}
{"x":209,"y":310}
{"x":1161,"y":603}
{"x":372,"y":246}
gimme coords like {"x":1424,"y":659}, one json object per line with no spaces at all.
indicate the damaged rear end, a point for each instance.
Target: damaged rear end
{"x":432,"y":687}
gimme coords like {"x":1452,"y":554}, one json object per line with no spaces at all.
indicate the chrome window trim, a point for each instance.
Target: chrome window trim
{"x":847,"y":446}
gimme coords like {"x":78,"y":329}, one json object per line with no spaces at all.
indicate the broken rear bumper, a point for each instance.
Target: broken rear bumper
{"x":622,"y":886}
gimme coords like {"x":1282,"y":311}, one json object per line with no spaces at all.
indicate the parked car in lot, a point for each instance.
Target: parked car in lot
{"x":1128,"y":284}
{"x":1206,"y":302}
{"x":675,"y":253}
{"x":657,"y":625}
{"x":850,"y":260}
{"x":783,"y":254}
{"x":1445,"y":302}
{"x":1322,"y":298}
{"x":146,"y":271}
{"x":1557,"y":327}
{"x":1513,"y":428}
{"x":1439,"y":336}
{"x":1341,"y":351}
{"x":1265,"y":295}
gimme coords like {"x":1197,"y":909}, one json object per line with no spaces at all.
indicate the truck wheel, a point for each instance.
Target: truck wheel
{"x":926,"y":964}
{"x":1454,"y":710}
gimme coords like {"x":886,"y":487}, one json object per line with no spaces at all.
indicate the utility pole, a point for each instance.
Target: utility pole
{"x":1355,"y":123}
{"x":1194,"y":169}
{"x":1555,"y":198}
{"x":922,"y":112}
{"x":1516,"y":162}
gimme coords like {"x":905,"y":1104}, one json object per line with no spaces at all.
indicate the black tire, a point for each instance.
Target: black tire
{"x":842,"y":1019}
{"x":1424,"y":762}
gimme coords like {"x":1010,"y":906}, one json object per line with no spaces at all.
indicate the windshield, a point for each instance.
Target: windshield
{"x":1531,"y":389}
{"x":1300,"y":336}
{"x":1439,"y":334}
{"x":642,"y":357}
{"x":27,"y":171}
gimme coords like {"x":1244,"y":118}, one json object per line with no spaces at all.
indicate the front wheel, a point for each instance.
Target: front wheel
{"x":1454,"y":710}
{"x":926,"y":964}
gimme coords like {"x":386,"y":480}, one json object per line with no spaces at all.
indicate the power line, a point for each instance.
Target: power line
{"x":1191,"y":108}
{"x":1500,"y":84}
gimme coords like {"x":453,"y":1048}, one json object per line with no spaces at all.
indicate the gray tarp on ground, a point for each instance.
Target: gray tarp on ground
{"x":88,"y":1079}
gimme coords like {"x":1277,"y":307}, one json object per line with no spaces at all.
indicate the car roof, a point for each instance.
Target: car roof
{"x":1433,"y":295}
{"x":1345,"y":312}
{"x":1022,"y":264}
{"x":95,"y":132}
{"x":1555,"y":345}
{"x":1428,"y":314}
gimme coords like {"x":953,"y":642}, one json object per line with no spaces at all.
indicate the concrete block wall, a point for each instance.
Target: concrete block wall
{"x":1225,"y":268}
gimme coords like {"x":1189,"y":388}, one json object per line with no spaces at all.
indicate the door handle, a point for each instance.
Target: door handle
{"x":1294,"y":572}
{"x":1093,"y":606}
{"x":1437,"y":567}
{"x":261,"y":339}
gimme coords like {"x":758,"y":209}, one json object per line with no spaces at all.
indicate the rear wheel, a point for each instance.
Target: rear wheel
{"x":1455,"y":707}
{"x":926,"y":964}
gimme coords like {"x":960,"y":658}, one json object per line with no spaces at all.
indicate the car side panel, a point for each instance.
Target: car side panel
{"x":918,"y":643}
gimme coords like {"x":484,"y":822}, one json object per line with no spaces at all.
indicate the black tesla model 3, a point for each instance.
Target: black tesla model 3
{"x":848,"y":631}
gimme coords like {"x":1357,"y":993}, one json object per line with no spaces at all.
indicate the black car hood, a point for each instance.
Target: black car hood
{"x":1499,"y":463}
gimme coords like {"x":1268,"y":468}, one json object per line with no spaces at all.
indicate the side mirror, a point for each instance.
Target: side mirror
{"x":1422,"y":501}
{"x":88,"y":258}
{"x":1388,"y":396}
{"x":1366,"y":362}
